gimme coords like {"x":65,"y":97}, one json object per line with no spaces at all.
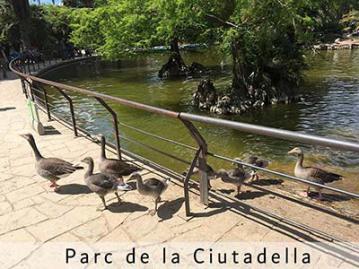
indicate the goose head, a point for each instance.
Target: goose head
{"x":28,"y":137}
{"x":252,"y":159}
{"x":135,"y":177}
{"x":101,"y":138}
{"x":87,"y":160}
{"x":297,"y":151}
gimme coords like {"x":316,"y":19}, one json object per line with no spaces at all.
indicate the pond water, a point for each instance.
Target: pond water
{"x":330,"y":107}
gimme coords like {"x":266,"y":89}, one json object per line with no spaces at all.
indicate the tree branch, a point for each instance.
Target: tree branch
{"x":224,"y":23}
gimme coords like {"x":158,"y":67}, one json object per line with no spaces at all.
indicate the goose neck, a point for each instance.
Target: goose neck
{"x":103,"y":148}
{"x":139,"y":183}
{"x":37,"y":153}
{"x":300,"y":160}
{"x":89,"y":171}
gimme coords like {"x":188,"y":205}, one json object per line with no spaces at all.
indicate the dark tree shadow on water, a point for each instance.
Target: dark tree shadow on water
{"x":168,"y":209}
{"x":73,"y":189}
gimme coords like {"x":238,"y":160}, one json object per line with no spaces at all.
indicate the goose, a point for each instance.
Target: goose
{"x":312,"y":173}
{"x":235,"y":176}
{"x":211,"y":173}
{"x":99,"y":183}
{"x":51,"y":169}
{"x":152,"y":187}
{"x":115,"y":168}
{"x":261,"y":163}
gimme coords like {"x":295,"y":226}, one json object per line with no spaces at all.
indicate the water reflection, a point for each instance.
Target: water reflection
{"x":330,"y":108}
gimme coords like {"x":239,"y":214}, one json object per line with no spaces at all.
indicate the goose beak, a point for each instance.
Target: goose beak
{"x":291,"y":152}
{"x":25,"y":136}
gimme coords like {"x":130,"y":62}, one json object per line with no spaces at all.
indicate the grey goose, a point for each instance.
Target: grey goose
{"x":99,"y":183}
{"x":51,"y":169}
{"x":313,"y":174}
{"x":113,"y":167}
{"x":151,"y":187}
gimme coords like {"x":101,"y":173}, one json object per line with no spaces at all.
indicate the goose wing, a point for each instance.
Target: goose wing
{"x":238,"y":174}
{"x":155,"y":183}
{"x":102,"y":181}
{"x":262,"y":163}
{"x":57,"y":167}
{"x":323,"y":175}
{"x":117,"y":167}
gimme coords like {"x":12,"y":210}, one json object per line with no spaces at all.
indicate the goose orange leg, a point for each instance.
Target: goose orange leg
{"x":54,"y":184}
{"x":238,"y":189}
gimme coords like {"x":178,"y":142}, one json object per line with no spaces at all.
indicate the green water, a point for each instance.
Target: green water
{"x":330,"y":107}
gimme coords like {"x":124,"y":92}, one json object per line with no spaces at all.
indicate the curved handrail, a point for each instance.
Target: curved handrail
{"x":244,"y":127}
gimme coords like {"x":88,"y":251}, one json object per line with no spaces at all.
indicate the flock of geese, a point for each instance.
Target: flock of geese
{"x":112,"y":171}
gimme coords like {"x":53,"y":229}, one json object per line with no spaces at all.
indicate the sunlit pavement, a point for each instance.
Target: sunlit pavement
{"x":30,"y":213}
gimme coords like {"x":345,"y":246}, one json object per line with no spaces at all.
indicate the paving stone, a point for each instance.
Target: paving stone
{"x":92,"y":230}
{"x":52,"y":210}
{"x":25,"y":192}
{"x":54,"y":227}
{"x":20,"y":218}
{"x":15,"y":183}
{"x":117,"y":235}
{"x":11,"y":243}
{"x":5,"y":208}
{"x":27,"y":202}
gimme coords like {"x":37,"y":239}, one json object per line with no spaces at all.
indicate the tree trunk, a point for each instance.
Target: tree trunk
{"x":239,"y":83}
{"x":22,"y":12}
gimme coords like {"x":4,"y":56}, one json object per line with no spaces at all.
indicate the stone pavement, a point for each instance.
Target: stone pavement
{"x":30,"y":214}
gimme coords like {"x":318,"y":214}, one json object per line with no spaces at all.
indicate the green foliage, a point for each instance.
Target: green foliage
{"x":7,"y":22}
{"x":48,"y":25}
{"x":118,"y":27}
{"x":264,"y":37}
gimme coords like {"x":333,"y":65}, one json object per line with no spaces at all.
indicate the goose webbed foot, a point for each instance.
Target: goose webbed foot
{"x":239,"y":190}
{"x":152,"y":212}
{"x":54,"y":185}
{"x":320,"y":196}
{"x":308,"y":191}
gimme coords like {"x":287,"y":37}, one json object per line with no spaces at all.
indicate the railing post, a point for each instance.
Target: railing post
{"x":202,"y":159}
{"x":46,"y":104}
{"x":68,"y":98}
{"x":115,"y":125}
{"x":23,"y":86}
{"x":31,"y":103}
{"x":186,"y":183}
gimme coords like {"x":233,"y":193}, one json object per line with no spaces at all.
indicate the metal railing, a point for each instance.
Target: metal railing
{"x":38,"y":85}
